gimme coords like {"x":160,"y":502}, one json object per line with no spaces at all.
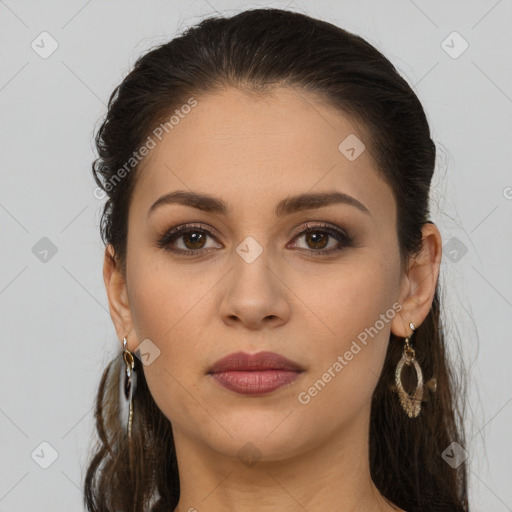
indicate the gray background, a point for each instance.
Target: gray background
{"x":56,"y":332}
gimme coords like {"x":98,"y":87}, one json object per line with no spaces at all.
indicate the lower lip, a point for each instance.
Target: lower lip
{"x":255,"y":382}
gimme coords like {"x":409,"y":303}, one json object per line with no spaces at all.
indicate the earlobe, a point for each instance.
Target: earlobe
{"x":115,"y":286}
{"x":419,"y":285}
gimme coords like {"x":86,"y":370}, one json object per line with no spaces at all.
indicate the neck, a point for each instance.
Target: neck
{"x":334,"y":475}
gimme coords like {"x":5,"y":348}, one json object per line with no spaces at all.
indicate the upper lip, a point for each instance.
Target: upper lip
{"x":240,"y":361}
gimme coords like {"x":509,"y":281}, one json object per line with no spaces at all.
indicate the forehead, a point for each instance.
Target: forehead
{"x":253,"y":149}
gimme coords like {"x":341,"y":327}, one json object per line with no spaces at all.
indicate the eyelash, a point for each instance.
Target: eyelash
{"x":175,"y":233}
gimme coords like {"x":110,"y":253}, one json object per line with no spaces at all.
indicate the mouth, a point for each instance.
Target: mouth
{"x":255,"y":374}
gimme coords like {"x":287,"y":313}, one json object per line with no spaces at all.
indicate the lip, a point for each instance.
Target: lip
{"x":242,"y":361}
{"x":251,"y":374}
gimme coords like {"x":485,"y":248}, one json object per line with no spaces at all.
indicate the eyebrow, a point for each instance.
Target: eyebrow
{"x":287,"y":206}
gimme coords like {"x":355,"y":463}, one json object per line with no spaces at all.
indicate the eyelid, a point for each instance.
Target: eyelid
{"x":319,"y":224}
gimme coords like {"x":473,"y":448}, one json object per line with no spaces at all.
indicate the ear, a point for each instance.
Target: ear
{"x":115,"y":285}
{"x":419,"y":284}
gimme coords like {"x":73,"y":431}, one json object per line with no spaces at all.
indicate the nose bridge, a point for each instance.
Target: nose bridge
{"x":253,"y":292}
{"x":252,"y":266}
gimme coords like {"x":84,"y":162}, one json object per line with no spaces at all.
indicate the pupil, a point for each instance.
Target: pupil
{"x":196,"y":238}
{"x":317,"y":239}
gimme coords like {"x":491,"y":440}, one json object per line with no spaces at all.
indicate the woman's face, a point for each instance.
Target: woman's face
{"x":258,"y":280}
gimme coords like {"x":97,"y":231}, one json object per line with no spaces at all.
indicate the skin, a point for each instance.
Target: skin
{"x":252,"y":151}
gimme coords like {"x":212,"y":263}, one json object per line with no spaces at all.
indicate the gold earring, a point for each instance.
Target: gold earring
{"x":127,"y":387}
{"x":410,"y":403}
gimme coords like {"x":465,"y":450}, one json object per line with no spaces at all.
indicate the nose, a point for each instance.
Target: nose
{"x":255,"y":296}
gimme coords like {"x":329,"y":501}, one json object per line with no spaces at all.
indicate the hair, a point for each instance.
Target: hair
{"x":255,"y":51}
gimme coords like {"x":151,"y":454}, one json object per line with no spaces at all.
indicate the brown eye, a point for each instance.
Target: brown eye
{"x":317,"y":239}
{"x":193,"y":240}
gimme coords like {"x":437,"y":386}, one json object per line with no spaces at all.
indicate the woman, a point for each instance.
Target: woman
{"x":272,"y":276}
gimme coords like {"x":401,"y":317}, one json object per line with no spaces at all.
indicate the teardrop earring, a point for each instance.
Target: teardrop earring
{"x":411,"y":404}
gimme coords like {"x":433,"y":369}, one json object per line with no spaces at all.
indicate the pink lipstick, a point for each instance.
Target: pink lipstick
{"x":255,"y":374}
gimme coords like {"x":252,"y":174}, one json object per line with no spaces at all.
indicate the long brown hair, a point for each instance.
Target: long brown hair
{"x":256,"y":50}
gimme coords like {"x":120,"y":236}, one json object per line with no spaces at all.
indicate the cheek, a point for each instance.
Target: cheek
{"x":350,"y":298}
{"x":356,"y":305}
{"x":164,"y":299}
{"x":169,"y":311}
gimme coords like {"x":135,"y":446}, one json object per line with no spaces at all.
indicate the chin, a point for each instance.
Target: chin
{"x":274,"y":435}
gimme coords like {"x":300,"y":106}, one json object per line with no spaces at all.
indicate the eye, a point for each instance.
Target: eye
{"x":317,"y":238}
{"x":193,"y":238}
